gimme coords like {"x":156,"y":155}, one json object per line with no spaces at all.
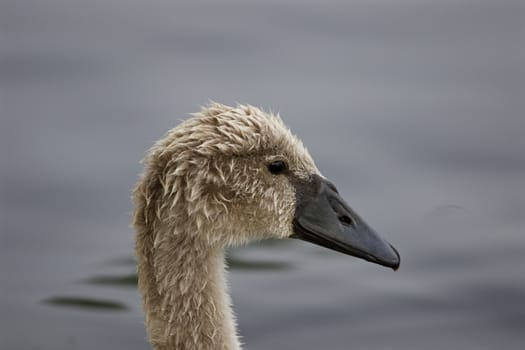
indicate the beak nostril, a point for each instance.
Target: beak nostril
{"x":347,"y":220}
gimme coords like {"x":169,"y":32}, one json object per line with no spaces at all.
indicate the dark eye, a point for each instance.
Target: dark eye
{"x":277,"y":167}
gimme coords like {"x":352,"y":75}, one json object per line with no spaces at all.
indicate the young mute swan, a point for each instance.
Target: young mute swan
{"x":225,"y":177}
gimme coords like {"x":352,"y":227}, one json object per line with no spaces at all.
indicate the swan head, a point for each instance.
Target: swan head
{"x":231,"y":175}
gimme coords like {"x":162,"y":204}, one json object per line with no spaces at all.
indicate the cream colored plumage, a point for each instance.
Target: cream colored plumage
{"x":207,"y":186}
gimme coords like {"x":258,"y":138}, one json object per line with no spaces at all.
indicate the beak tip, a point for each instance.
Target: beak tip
{"x":397,"y":262}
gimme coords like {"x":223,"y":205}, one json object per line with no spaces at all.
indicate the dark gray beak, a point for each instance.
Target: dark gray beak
{"x":323,"y":217}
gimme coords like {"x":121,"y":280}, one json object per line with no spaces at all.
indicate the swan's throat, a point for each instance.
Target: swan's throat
{"x":185,"y":296}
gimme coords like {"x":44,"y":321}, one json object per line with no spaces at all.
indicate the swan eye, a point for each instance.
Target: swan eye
{"x":277,"y":167}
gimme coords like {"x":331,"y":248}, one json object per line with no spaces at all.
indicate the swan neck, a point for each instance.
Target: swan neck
{"x":189,"y":306}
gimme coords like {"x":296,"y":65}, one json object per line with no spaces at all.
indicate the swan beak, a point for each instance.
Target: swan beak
{"x":323,"y":217}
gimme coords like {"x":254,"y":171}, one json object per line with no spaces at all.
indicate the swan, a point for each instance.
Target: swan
{"x":224,"y":177}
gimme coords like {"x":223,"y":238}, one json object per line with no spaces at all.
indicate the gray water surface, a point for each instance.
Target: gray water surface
{"x":413,"y":108}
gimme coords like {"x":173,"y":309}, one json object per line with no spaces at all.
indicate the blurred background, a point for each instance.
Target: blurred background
{"x":415,"y":109}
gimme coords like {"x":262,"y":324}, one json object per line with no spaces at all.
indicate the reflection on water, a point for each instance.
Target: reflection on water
{"x":86,"y":303}
{"x":130,"y":280}
{"x":255,"y":265}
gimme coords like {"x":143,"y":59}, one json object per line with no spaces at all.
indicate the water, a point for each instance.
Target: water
{"x":414,"y":109}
